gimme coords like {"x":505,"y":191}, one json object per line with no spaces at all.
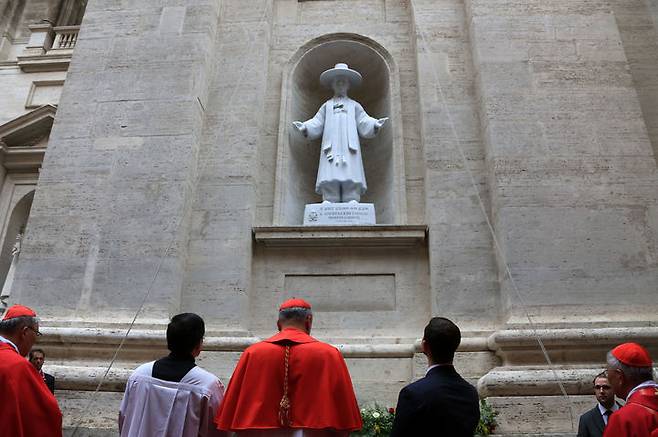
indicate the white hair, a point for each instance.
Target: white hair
{"x":635,"y":374}
{"x":12,"y":325}
{"x":298,"y":314}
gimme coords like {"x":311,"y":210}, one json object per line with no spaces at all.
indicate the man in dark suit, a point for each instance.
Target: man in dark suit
{"x":593,"y":422}
{"x":37,"y":357}
{"x":442,"y":403}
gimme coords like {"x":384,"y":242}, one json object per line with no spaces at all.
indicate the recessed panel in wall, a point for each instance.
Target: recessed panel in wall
{"x":346,"y":292}
{"x":44,"y":92}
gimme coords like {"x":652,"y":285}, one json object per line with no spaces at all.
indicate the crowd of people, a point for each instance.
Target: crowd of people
{"x":293,"y":385}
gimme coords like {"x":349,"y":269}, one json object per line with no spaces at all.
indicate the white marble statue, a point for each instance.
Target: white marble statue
{"x":9,"y":279}
{"x":340,"y":121}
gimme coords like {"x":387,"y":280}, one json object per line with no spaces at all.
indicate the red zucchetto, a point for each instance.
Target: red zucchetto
{"x":18,"y":311}
{"x":632,"y":354}
{"x":295,"y":303}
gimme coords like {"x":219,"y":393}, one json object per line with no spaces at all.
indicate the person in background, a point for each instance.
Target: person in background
{"x":290,"y":385}
{"x":441,"y":403}
{"x":37,"y":357}
{"x":27,"y":407}
{"x":173,"y":397}
{"x":630,"y":374}
{"x":593,"y":422}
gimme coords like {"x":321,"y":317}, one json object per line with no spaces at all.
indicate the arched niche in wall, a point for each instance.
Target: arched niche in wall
{"x":23,"y":143}
{"x":15,"y":225}
{"x":301,"y":97}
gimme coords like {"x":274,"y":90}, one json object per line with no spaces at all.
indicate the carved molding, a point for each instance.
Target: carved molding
{"x":359,"y":236}
{"x":22,"y":144}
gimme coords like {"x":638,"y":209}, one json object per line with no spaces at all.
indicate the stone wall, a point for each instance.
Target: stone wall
{"x":569,"y":157}
{"x":170,"y":152}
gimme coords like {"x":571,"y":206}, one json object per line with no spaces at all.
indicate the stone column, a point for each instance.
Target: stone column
{"x":120,"y":172}
{"x":570,"y":164}
{"x":638,"y":27}
{"x":462,"y":266}
{"x":8,"y":24}
{"x":218,"y":280}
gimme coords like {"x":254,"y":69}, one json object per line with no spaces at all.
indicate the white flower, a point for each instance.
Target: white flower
{"x":375,"y":415}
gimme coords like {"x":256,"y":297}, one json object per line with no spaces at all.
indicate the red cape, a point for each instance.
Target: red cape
{"x":28,"y":408}
{"x":638,"y":418}
{"x":321,"y":393}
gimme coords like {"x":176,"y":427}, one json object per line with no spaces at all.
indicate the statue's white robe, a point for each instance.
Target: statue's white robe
{"x":156,"y":408}
{"x":340,"y":121}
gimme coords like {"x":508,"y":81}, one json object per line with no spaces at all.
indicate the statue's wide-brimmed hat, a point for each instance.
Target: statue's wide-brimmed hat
{"x":327,"y":77}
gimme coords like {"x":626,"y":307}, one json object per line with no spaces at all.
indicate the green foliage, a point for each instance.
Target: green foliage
{"x":377,"y":421}
{"x":487,"y":423}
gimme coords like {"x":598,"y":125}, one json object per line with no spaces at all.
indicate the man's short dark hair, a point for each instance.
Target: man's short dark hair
{"x":603,"y":374}
{"x":443,"y":338}
{"x":36,"y":351}
{"x":184,"y":333}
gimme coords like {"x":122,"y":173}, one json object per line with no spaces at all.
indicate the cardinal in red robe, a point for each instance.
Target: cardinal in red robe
{"x":28,"y":407}
{"x":631,"y":375}
{"x":290,"y":384}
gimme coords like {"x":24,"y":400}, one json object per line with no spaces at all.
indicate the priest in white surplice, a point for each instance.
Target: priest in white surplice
{"x":340,"y":121}
{"x":173,"y":397}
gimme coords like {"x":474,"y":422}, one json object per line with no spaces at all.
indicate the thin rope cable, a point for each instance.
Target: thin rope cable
{"x":173,"y":239}
{"x":497,"y":246}
{"x":132,"y":323}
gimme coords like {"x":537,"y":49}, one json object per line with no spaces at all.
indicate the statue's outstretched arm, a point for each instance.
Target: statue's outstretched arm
{"x":313,"y":127}
{"x":367,"y":126}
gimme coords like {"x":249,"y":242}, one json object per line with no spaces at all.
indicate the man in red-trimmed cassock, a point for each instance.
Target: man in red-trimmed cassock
{"x":290,"y":385}
{"x":27,"y":407}
{"x":630,"y":374}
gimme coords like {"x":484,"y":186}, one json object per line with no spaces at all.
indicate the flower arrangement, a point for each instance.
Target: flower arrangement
{"x":487,"y":423}
{"x":377,"y":421}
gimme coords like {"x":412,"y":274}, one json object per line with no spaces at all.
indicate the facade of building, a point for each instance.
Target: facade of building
{"x":149,"y":168}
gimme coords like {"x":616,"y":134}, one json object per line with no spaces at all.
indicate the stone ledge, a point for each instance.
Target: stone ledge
{"x":536,"y":382}
{"x":351,"y":347}
{"x":586,"y":346}
{"x":328,"y":236}
{"x":510,"y":382}
{"x":137,"y":337}
{"x":48,"y":62}
{"x":86,"y":378}
{"x":612,"y":336}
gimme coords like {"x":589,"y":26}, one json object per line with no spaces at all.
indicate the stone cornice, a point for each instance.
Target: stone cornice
{"x":155,"y":339}
{"x":355,"y":236}
{"x":95,"y":346}
{"x":520,"y":381}
{"x":47,"y":62}
{"x":508,"y":380}
{"x":19,"y":136}
{"x":33,"y":124}
{"x":575,"y":345}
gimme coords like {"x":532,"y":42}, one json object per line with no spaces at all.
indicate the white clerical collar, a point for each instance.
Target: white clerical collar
{"x":5,"y":340}
{"x":647,"y":383}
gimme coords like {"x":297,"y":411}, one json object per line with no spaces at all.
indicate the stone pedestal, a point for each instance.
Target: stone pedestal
{"x":338,"y":214}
